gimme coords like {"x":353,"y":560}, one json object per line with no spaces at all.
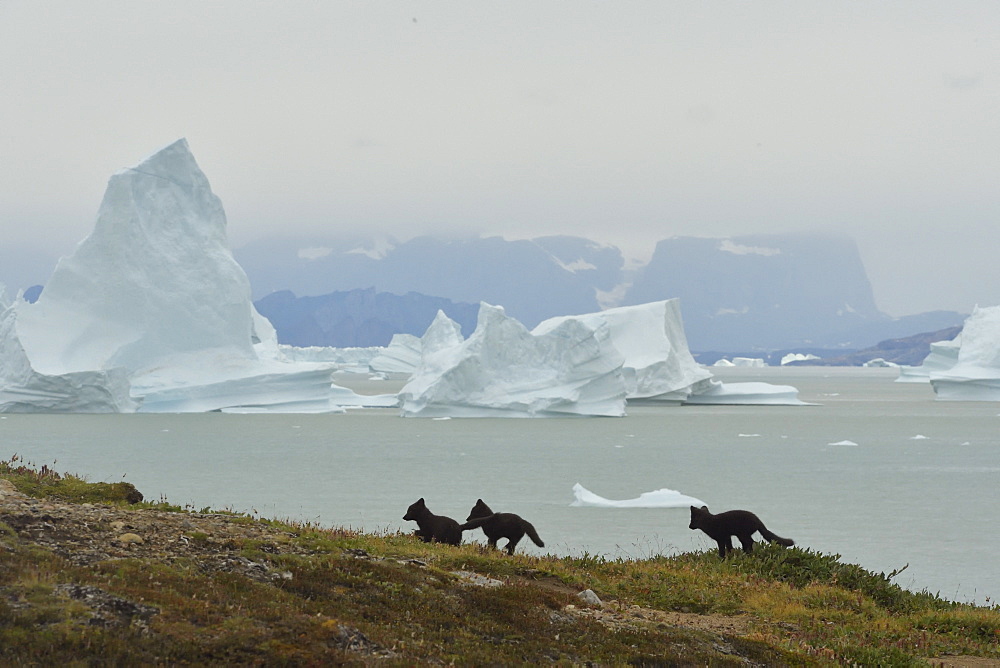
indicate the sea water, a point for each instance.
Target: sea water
{"x":878,"y":472}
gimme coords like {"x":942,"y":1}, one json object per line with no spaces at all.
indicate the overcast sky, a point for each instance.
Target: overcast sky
{"x":624,"y":121}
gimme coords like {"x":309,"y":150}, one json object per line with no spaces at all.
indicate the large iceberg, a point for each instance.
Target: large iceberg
{"x":503,"y":370}
{"x":154,"y":299}
{"x":573,"y":365}
{"x":975,"y":375}
{"x":658,"y":366}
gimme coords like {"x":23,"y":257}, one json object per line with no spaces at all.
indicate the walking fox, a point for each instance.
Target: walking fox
{"x":500,"y":525}
{"x":740,"y":523}
{"x":433,"y":527}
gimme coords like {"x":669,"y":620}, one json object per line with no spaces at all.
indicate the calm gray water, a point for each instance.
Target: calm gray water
{"x":919,"y":488}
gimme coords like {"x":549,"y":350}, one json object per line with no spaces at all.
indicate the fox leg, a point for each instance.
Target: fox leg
{"x":747,"y":541}
{"x":724,"y":546}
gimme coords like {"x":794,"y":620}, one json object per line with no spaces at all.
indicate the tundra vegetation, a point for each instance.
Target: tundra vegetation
{"x":88,"y":575}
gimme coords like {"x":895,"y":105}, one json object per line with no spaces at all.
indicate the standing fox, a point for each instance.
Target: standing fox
{"x":433,"y":527}
{"x":500,"y":525}
{"x":739,"y":523}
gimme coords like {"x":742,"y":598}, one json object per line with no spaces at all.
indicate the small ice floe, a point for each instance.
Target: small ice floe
{"x":749,"y":435}
{"x":661,"y":498}
{"x":848,"y":443}
{"x":619,"y":446}
{"x":441,"y":418}
{"x":918,"y":437}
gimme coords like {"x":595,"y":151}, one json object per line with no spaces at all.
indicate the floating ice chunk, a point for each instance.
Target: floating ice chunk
{"x":658,"y":365}
{"x":503,"y":370}
{"x":661,"y":498}
{"x":797,"y":357}
{"x":880,"y":362}
{"x":755,"y":362}
{"x":847,"y":443}
{"x":748,"y":435}
{"x":918,"y":437}
{"x":751,"y":393}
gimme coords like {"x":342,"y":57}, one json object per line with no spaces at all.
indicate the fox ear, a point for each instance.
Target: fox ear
{"x":479,"y":500}
{"x":420,"y":500}
{"x":704,"y":508}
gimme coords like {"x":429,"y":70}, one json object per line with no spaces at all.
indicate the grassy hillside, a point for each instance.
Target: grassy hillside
{"x":86,"y":576}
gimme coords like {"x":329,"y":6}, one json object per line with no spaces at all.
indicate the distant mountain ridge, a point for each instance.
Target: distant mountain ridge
{"x":533,"y":280}
{"x":910,"y":350}
{"x":357,"y":318}
{"x":759,"y":292}
{"x":764,"y":292}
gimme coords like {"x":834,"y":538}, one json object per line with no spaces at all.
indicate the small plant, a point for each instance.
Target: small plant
{"x":45,"y":482}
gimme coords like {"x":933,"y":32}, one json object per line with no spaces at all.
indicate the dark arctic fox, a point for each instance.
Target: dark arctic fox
{"x":500,"y":525}
{"x":433,"y":527}
{"x":739,"y":523}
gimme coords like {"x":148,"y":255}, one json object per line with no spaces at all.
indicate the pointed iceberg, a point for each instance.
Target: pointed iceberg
{"x":154,"y":295}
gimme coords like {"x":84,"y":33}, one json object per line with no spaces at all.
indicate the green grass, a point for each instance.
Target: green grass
{"x":352,"y":597}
